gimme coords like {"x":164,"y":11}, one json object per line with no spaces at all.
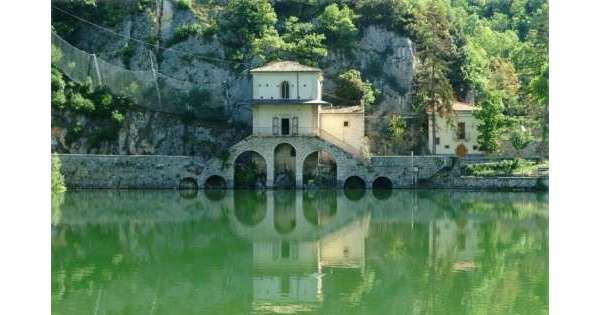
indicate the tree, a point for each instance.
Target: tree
{"x":302,"y":42}
{"x":396,"y":130}
{"x":435,"y":93}
{"x":242,"y":23}
{"x":57,"y":178}
{"x":338,"y":25}
{"x":520,"y":138}
{"x":539,"y":89}
{"x":492,"y":121}
{"x":351,"y":88}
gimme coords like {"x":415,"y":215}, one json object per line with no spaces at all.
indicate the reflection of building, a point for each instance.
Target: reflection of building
{"x":289,"y":264}
{"x":454,"y":241}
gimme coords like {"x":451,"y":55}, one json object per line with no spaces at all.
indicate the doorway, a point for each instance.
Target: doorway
{"x":285,"y":126}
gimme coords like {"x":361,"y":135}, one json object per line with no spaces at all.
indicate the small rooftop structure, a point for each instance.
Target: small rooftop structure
{"x":285,"y":66}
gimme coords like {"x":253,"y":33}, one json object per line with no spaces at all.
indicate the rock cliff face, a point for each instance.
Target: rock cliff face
{"x":145,"y":132}
{"x":385,"y":58}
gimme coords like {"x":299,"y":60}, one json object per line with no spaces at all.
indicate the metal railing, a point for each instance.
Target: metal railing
{"x":292,"y":132}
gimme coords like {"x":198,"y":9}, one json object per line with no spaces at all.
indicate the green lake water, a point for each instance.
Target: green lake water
{"x":295,"y":252}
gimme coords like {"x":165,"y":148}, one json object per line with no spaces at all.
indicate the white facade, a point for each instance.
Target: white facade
{"x":286,"y":99}
{"x":463,"y":132}
{"x":348,"y":126}
{"x":270,"y":119}
{"x":302,"y":85}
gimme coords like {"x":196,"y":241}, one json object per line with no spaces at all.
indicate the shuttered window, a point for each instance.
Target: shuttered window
{"x":275,"y":126}
{"x":294,"y":126}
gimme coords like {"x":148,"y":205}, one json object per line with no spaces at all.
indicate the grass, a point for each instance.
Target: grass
{"x":515,"y":167}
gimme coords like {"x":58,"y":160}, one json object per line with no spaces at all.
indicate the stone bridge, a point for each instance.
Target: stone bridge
{"x":398,"y":172}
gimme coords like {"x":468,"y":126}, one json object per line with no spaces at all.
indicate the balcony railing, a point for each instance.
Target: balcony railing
{"x":299,"y":131}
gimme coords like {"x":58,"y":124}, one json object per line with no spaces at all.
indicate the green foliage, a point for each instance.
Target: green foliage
{"x":302,"y":43}
{"x":242,"y":24}
{"x":185,"y":4}
{"x":100,"y":105}
{"x":338,"y":25}
{"x":80,"y":103}
{"x":514,"y":167}
{"x":56,"y":177}
{"x":396,"y":129}
{"x":351,"y":88}
{"x":520,"y":139}
{"x":185,"y":31}
{"x":394,"y":15}
{"x":492,"y":121}
{"x":56,"y":54}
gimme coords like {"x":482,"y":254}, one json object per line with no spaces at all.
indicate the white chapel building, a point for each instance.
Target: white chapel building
{"x":287,"y":101}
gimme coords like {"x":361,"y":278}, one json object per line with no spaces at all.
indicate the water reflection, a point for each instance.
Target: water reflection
{"x":427,"y":252}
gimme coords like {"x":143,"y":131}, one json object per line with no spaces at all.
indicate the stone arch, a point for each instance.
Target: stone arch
{"x":382,"y":187}
{"x":284,"y":166}
{"x":249,"y":170}
{"x":188,"y":183}
{"x":319,"y":169}
{"x":250,"y":208}
{"x":215,"y":182}
{"x":354,"y":187}
{"x":188,"y":187}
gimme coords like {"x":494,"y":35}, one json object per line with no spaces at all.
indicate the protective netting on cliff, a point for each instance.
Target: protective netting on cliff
{"x":147,"y":88}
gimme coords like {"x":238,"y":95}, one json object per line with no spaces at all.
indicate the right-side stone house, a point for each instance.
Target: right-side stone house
{"x":459,"y":138}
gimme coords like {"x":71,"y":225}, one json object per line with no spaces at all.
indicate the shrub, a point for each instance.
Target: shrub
{"x":185,"y":31}
{"x":80,"y":103}
{"x":338,"y":25}
{"x":351,"y":88}
{"x":57,"y":180}
{"x":184,"y":4}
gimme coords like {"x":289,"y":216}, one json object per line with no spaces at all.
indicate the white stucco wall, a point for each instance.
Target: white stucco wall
{"x":353,"y":134}
{"x":262,"y":117}
{"x":448,"y":135}
{"x":266,"y":85}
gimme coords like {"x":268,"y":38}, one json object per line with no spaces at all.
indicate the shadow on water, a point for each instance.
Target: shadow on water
{"x":319,"y":251}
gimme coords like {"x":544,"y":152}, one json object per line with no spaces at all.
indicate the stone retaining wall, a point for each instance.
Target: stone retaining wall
{"x":128,"y":171}
{"x":167,"y":172}
{"x":492,"y":183}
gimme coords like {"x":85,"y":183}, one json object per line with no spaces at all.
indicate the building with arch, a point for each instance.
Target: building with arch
{"x":301,"y":141}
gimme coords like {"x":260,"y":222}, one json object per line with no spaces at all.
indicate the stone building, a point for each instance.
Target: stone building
{"x":458,"y":138}
{"x":287,"y":101}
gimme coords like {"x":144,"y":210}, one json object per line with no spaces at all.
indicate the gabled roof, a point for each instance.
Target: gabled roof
{"x":285,"y":66}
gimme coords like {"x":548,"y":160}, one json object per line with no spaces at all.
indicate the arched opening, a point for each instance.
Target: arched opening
{"x":354,"y":188}
{"x":214,"y":188}
{"x":188,"y":183}
{"x":319,"y":206}
{"x":285,"y":90}
{"x":250,"y":207}
{"x":319,"y":170}
{"x":285,"y":211}
{"x":250,"y":171}
{"x":188,"y":187}
{"x":215,"y":182}
{"x":285,"y":166}
{"x":382,"y":188}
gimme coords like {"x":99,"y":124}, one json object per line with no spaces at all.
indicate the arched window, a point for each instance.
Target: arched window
{"x":285,"y":90}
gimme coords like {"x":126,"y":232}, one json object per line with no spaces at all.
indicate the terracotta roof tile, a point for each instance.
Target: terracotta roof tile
{"x":285,"y":66}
